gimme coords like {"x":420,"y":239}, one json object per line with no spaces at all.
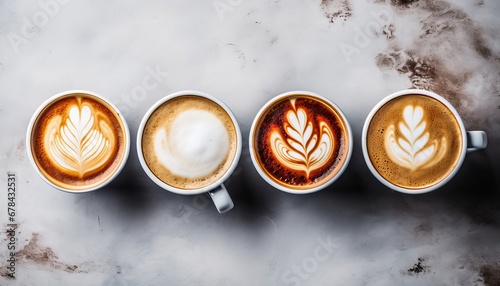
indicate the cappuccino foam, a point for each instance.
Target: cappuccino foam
{"x":414,"y":141}
{"x":189,"y":142}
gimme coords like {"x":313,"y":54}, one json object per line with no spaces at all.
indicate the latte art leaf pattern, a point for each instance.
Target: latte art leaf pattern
{"x":303,"y":150}
{"x":414,"y":149}
{"x":80,"y":142}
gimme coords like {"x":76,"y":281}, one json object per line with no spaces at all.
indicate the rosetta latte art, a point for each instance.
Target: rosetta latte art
{"x":79,"y":142}
{"x":413,"y":150}
{"x":303,"y":149}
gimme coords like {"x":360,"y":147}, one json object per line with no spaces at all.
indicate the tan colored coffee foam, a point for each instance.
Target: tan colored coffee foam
{"x":163,"y":117}
{"x":443,"y":131}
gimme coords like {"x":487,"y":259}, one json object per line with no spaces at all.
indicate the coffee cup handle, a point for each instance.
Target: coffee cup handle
{"x":476,"y":140}
{"x":221,"y":198}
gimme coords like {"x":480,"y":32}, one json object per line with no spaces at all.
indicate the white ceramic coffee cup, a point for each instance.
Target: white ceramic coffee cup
{"x":91,"y":95}
{"x":216,"y":190}
{"x":471,"y":141}
{"x":255,"y":124}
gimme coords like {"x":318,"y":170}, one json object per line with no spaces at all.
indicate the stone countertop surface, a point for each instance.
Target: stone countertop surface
{"x":354,"y":52}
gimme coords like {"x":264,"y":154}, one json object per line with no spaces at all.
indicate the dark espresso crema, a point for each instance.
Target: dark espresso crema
{"x":78,"y":141}
{"x":300,"y":142}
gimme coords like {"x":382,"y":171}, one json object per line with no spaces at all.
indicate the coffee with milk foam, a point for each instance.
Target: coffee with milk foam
{"x":300,"y":142}
{"x":414,"y":141}
{"x":189,"y":142}
{"x":78,"y":141}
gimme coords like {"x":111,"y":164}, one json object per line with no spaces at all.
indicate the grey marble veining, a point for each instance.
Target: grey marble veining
{"x":354,"y":52}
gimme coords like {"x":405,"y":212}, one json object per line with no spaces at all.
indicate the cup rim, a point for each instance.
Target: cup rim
{"x":51,"y":100}
{"x":418,"y":92}
{"x":279,"y":98}
{"x":166,"y":186}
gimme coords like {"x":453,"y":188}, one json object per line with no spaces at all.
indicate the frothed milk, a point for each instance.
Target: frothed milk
{"x":189,"y":142}
{"x":198,"y":142}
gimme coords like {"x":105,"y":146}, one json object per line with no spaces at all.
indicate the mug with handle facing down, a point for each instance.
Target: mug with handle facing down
{"x":189,"y":143}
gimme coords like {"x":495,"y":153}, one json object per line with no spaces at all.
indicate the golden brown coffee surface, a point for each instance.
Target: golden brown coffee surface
{"x":189,"y":142}
{"x":78,"y":141}
{"x":414,"y":141}
{"x":300,"y":142}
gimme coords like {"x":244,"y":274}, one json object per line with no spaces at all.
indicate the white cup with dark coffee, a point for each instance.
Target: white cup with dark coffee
{"x":414,"y":141}
{"x":300,"y":142}
{"x":190,"y":143}
{"x":78,"y":141}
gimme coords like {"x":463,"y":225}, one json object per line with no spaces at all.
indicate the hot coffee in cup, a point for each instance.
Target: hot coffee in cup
{"x":300,"y":142}
{"x":189,"y":143}
{"x":414,"y":141}
{"x":78,"y":141}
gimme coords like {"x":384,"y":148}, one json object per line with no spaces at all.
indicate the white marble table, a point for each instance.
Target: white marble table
{"x":354,"y":52}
